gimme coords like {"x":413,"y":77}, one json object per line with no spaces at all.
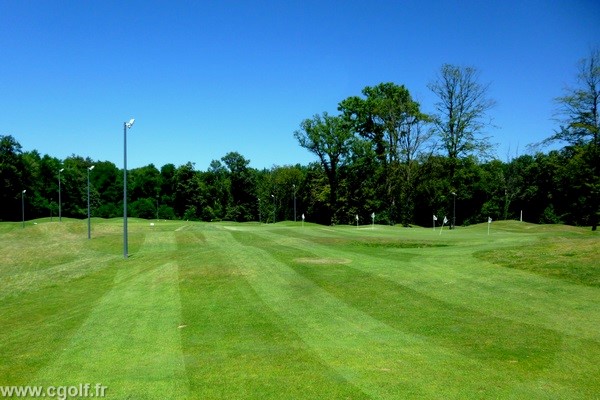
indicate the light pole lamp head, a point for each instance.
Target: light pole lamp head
{"x":91,"y":168}
{"x":24,"y":191}
{"x":61,"y":170}
{"x":130,"y":123}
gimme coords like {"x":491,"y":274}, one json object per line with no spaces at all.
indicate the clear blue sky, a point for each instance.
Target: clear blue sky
{"x":203,"y":78}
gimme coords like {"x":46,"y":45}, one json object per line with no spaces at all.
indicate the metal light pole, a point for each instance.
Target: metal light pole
{"x":259,"y":213}
{"x":89,"y":224}
{"x":454,"y":211}
{"x":273,"y":196}
{"x":23,"y":207}
{"x":294,"y":202}
{"x":126,"y":125}
{"x":59,"y":199}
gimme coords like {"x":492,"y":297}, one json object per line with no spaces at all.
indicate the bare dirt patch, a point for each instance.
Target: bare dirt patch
{"x":322,"y":261}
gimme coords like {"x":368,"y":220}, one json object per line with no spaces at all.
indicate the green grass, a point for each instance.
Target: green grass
{"x":237,"y":311}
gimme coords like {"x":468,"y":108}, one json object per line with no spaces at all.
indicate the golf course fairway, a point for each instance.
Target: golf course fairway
{"x":292,"y":311}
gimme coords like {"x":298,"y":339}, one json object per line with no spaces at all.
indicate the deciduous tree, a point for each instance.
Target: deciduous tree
{"x":461,"y":111}
{"x":579,"y":117}
{"x":329,"y":138}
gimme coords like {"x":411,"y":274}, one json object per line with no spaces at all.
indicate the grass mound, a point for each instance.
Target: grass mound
{"x":572,"y":257}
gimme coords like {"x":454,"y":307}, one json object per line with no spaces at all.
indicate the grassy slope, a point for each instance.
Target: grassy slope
{"x":248,"y":311}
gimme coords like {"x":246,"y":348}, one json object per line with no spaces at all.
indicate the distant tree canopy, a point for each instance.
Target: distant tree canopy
{"x":382,"y":154}
{"x":578,"y":113}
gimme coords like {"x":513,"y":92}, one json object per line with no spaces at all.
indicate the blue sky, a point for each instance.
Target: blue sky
{"x":203,"y":78}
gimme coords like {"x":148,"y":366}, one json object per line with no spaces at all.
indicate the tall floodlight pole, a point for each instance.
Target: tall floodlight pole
{"x":126,"y":125}
{"x":294,"y":202}
{"x":259,"y":212}
{"x":59,"y":199}
{"x":23,"y":207}
{"x":89,"y":223}
{"x":273,"y":196}
{"x":454,"y":211}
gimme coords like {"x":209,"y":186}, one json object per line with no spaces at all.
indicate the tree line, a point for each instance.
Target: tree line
{"x":380,"y":154}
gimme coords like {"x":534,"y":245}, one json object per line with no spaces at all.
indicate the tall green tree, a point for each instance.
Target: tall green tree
{"x":432,"y":190}
{"x":49,"y":167}
{"x":11,"y":167}
{"x":187,"y":192}
{"x":39,"y":197}
{"x":218,"y":185}
{"x":166,"y":198}
{"x":578,"y":111}
{"x":393,"y":122}
{"x":579,"y":117}
{"x":243,"y":187}
{"x":461,"y":112}
{"x":74,"y":187}
{"x":276,"y":189}
{"x":360,"y":176}
{"x":144,"y":182}
{"x":316,"y":195}
{"x":108,"y":181}
{"x":329,"y":138}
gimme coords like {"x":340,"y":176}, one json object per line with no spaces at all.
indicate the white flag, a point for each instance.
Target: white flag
{"x":302,"y":217}
{"x":357,"y":217}
{"x":373,"y":215}
{"x":445,"y":220}
{"x":434,"y":218}
{"x":489,"y":220}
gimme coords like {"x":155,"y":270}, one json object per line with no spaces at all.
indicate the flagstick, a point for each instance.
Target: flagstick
{"x":443,"y":223}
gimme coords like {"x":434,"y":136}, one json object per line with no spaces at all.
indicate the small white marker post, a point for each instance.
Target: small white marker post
{"x":356,"y":221}
{"x":373,"y":221}
{"x":434,"y":219}
{"x":489,"y":223}
{"x":303,"y":220}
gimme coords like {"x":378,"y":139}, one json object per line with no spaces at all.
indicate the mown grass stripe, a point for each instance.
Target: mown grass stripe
{"x":381,"y":360}
{"x":456,"y":276}
{"x":235,"y":346}
{"x":504,"y":343}
{"x":36,"y":326}
{"x":131,"y":340}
